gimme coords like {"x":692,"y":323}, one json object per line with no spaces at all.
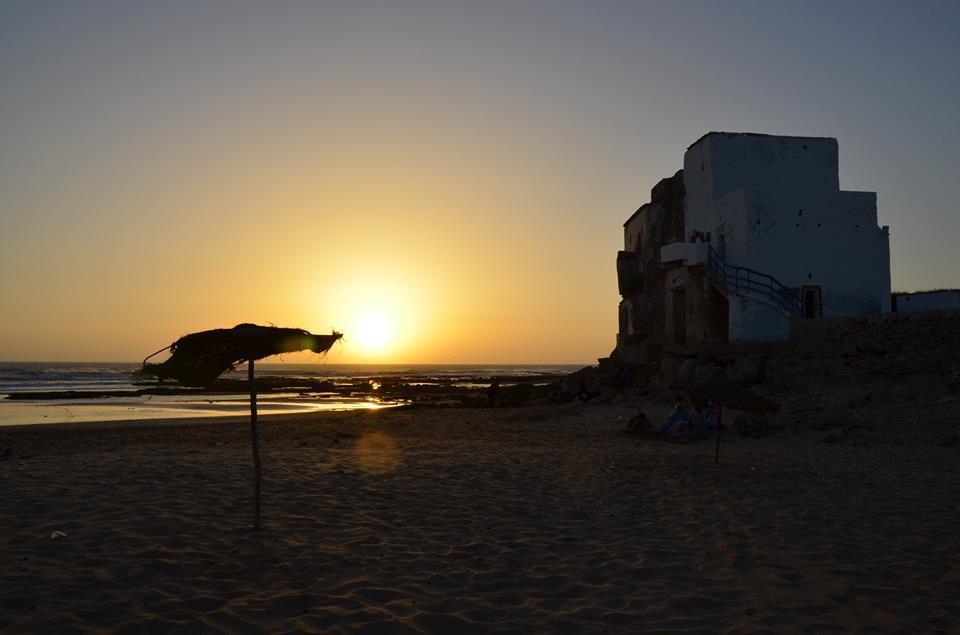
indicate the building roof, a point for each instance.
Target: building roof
{"x":634,"y":215}
{"x":757,"y":134}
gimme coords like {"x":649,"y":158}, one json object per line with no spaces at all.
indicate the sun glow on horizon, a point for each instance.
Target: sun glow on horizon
{"x":373,"y":332}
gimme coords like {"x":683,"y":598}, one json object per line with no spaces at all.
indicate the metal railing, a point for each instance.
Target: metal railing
{"x":746,"y":281}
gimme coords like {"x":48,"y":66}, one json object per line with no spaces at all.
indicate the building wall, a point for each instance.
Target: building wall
{"x":946,"y":300}
{"x":705,"y":310}
{"x":773,"y":204}
{"x":720,"y":163}
{"x":641,"y":310}
{"x":933,"y":335}
{"x":830,"y":240}
{"x":755,"y":321}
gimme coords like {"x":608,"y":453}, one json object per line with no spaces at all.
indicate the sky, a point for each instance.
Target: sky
{"x":444,"y":182}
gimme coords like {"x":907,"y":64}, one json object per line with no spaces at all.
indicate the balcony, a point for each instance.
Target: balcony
{"x":685,"y":253}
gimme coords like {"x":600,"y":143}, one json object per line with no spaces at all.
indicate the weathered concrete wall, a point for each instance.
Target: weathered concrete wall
{"x":641,"y":310}
{"x":755,"y":321}
{"x":946,"y":300}
{"x":705,"y":309}
{"x":815,"y":238}
{"x":720,"y":163}
{"x":773,"y":204}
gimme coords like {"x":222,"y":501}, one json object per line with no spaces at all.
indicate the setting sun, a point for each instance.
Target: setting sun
{"x":372,"y":332}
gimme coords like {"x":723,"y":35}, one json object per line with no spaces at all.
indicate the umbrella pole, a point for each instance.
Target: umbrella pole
{"x":256,"y":447}
{"x":716,"y":452}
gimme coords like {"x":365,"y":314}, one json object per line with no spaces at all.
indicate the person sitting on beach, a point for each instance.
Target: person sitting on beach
{"x":703,"y":421}
{"x":678,"y":422}
{"x":697,"y":427}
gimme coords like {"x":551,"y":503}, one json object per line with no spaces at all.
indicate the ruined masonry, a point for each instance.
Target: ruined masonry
{"x":753,"y":233}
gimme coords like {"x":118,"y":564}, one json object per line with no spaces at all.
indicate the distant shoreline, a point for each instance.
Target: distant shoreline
{"x":63,"y":393}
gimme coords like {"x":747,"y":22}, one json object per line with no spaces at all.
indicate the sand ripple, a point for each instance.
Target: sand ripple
{"x":472,"y":522}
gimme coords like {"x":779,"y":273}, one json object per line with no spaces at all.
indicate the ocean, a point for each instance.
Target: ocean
{"x":353,"y":386}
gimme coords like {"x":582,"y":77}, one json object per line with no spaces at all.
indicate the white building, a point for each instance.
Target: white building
{"x":768,"y":236}
{"x":922,"y":301}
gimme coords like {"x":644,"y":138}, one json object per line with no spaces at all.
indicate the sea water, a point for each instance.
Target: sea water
{"x":27,"y":377}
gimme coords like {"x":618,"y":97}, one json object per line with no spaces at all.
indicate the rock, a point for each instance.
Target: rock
{"x":669,"y":367}
{"x":657,"y":382}
{"x":746,"y":371}
{"x":687,"y":371}
{"x":572,"y":382}
{"x":703,"y":373}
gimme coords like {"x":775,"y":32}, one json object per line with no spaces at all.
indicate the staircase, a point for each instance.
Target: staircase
{"x":753,"y":284}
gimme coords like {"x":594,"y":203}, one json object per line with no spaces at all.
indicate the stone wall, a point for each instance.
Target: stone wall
{"x":932,"y":337}
{"x":943,"y":300}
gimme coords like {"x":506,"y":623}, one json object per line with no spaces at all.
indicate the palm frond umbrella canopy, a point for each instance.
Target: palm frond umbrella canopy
{"x":732,"y":395}
{"x":198,"y":359}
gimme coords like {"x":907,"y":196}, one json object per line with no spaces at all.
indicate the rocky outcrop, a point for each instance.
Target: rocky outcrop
{"x":883,"y":379}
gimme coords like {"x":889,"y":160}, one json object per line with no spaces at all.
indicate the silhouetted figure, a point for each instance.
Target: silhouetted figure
{"x":679,"y":420}
{"x":624,"y":379}
{"x":493,"y":393}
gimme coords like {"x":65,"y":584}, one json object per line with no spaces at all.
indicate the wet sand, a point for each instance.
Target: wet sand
{"x":467,"y":520}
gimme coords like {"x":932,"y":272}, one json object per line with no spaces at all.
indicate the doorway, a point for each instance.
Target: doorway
{"x":718,"y":323}
{"x":812,"y":304}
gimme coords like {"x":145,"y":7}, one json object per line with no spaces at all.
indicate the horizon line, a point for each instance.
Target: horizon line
{"x":70,"y":361}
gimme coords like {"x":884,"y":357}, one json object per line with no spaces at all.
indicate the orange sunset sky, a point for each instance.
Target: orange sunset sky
{"x":443,"y":183}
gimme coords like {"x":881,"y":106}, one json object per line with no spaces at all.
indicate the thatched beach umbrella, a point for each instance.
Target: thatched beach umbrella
{"x":199,"y":358}
{"x":727,"y":393}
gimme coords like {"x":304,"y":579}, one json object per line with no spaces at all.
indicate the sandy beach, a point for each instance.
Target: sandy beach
{"x":467,"y":520}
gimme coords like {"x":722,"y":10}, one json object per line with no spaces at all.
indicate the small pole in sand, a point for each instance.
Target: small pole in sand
{"x":256,"y":447}
{"x":716,"y":452}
